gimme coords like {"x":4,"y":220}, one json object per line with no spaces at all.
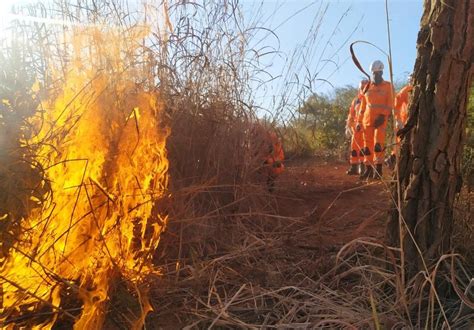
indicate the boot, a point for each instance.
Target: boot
{"x":378,"y":172}
{"x":368,"y":173}
{"x":361,"y":168}
{"x":352,"y":170}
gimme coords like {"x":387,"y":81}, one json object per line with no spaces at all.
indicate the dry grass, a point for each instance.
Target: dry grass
{"x":266,"y":279}
{"x":463,"y":238}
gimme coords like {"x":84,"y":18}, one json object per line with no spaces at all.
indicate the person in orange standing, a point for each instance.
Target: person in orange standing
{"x":267,"y":150}
{"x":274,"y":160}
{"x":401,"y":115}
{"x":355,"y":133}
{"x":376,"y":106}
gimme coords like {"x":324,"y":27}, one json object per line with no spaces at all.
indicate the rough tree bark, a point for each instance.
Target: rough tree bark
{"x":430,"y":156}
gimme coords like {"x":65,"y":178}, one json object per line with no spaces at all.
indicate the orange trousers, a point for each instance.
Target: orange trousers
{"x":374,"y":142}
{"x":357,"y":145}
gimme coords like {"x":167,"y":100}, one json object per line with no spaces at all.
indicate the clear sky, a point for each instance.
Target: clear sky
{"x":291,"y":20}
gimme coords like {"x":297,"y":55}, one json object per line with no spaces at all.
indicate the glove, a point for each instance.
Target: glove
{"x":379,"y":121}
{"x":348,"y":132}
{"x":358,"y":127}
{"x":398,"y":124}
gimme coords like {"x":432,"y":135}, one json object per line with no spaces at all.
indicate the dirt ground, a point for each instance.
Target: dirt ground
{"x":319,"y":209}
{"x":321,"y":193}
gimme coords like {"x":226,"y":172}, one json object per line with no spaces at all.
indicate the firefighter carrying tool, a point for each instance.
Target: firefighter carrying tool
{"x":376,"y":107}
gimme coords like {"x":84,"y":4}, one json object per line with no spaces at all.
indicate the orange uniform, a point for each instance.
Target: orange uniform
{"x":276,"y":156}
{"x":401,"y":104}
{"x":376,"y":108}
{"x":401,"y":110}
{"x":274,"y":160}
{"x":357,"y":140}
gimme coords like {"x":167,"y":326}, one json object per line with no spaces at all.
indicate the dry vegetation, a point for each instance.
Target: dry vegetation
{"x":226,"y":257}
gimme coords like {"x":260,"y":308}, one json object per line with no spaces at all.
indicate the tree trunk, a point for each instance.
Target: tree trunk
{"x":430,"y":158}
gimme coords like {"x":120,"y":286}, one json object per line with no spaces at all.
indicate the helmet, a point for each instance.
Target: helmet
{"x":376,"y":66}
{"x":362,"y":83}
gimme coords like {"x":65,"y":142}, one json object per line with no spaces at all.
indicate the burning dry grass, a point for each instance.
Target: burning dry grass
{"x":83,"y":254}
{"x":99,"y":139}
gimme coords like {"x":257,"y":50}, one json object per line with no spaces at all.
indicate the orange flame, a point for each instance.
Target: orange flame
{"x":104,"y":149}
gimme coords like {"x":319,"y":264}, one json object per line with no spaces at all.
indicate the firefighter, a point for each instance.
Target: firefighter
{"x":274,"y":160}
{"x":376,"y":107}
{"x":354,"y":132}
{"x":401,"y":116}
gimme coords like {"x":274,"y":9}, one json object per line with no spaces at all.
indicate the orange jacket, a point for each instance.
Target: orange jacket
{"x":354,"y":111}
{"x":276,"y":157}
{"x":401,"y":104}
{"x":377,"y":100}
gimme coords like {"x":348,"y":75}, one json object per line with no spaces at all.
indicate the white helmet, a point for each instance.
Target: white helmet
{"x":376,"y":66}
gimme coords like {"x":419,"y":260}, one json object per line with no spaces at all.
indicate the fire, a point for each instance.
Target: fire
{"x":104,"y":150}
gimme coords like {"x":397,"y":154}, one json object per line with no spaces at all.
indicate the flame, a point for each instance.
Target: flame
{"x":104,"y":151}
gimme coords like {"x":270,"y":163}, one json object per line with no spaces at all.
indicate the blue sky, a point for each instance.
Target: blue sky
{"x":291,"y":20}
{"x":320,"y":59}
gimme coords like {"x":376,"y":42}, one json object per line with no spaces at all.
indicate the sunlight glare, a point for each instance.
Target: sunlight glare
{"x":5,"y":15}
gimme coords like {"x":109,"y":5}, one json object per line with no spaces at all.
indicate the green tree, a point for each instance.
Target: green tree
{"x":319,"y":127}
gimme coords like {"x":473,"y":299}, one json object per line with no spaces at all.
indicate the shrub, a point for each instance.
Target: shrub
{"x":319,"y":128}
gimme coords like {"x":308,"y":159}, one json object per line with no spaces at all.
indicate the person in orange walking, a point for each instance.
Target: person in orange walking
{"x":401,"y":115}
{"x":355,"y":133}
{"x":376,"y":106}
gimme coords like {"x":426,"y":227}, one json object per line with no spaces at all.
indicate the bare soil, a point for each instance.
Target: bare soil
{"x":336,"y":203}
